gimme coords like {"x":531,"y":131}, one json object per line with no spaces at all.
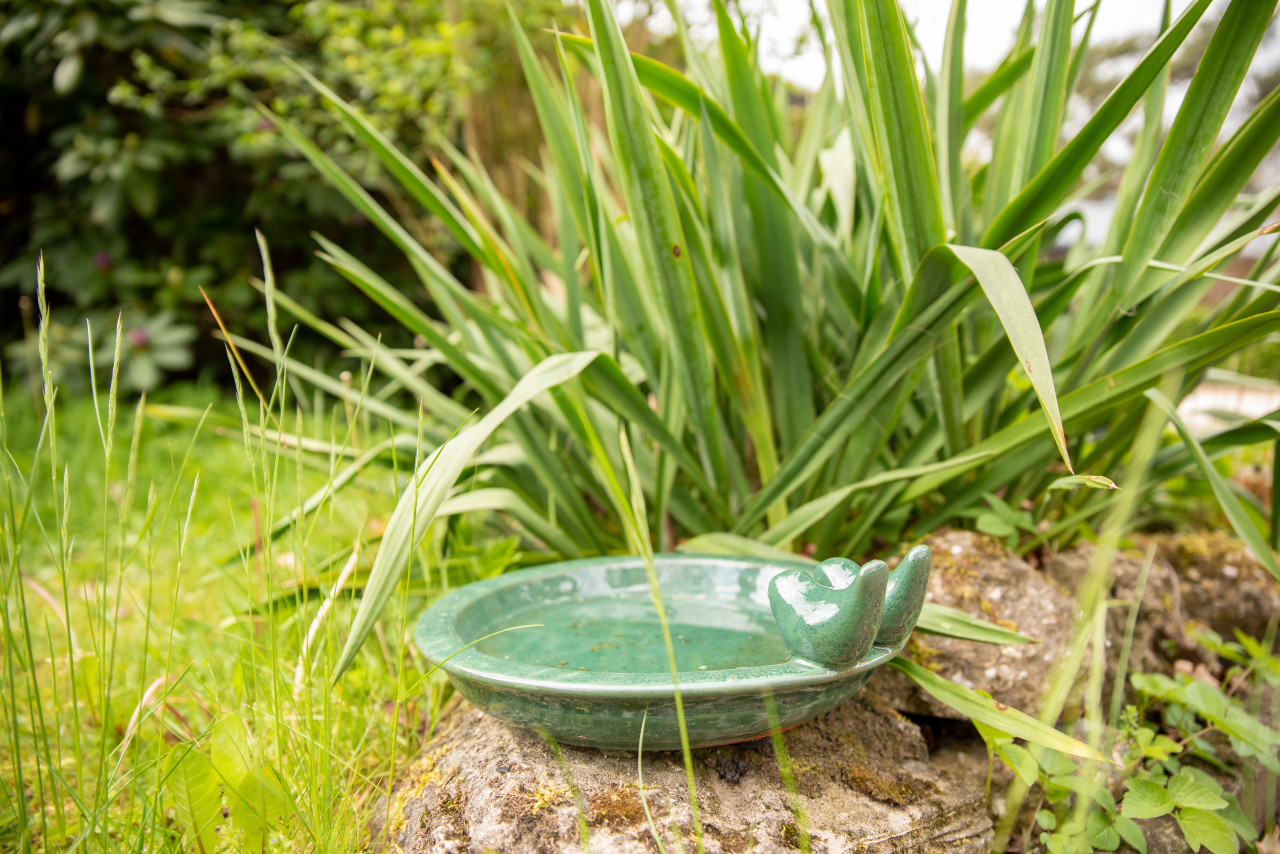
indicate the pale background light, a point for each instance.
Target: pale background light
{"x":988,"y":37}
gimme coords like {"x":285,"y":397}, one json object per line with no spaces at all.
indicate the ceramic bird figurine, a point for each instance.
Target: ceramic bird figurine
{"x":834,"y":614}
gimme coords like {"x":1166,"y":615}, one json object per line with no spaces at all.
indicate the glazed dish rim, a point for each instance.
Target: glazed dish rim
{"x":438,"y":638}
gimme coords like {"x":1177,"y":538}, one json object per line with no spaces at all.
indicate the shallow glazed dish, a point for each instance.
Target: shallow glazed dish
{"x":747,"y":633}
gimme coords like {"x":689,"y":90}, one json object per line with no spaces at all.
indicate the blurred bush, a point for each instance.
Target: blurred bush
{"x":135,"y":159}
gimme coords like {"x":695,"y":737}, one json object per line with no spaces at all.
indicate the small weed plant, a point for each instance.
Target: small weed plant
{"x":1167,"y":759}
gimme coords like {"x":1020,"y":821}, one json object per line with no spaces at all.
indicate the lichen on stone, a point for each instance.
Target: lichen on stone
{"x":617,"y":806}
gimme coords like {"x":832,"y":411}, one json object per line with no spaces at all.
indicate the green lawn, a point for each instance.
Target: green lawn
{"x":162,"y":626}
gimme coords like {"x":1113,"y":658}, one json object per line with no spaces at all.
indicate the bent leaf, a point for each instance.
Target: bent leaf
{"x":1107,"y":393}
{"x":1005,"y":291}
{"x":994,"y":714}
{"x":430,"y":486}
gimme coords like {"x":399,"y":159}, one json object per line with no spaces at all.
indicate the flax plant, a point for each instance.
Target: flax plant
{"x":828,"y":329}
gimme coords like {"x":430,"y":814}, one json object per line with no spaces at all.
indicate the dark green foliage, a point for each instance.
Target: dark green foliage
{"x":134,"y":157}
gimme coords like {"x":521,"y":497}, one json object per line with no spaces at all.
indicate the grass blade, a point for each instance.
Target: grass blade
{"x":949,"y":118}
{"x":1054,"y":182}
{"x":999,"y":82}
{"x":1230,"y":503}
{"x":779,"y":273}
{"x":985,"y":710}
{"x":812,"y":512}
{"x":901,"y":132}
{"x":1049,"y":83}
{"x":1186,"y":148}
{"x":938,"y":619}
{"x":664,"y":249}
{"x":404,"y":170}
{"x":672,"y":86}
{"x":1114,"y":390}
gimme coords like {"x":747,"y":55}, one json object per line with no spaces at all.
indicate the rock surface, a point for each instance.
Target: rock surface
{"x":1223,"y":585}
{"x":976,"y":574}
{"x":862,"y":772}
{"x":865,"y":780}
{"x":1161,"y":621}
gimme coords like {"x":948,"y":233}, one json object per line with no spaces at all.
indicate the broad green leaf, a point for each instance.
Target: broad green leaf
{"x":430,"y":486}
{"x":1230,"y":503}
{"x":1131,"y":833}
{"x":1206,"y":699}
{"x":994,"y":525}
{"x":1247,"y":732}
{"x":1021,"y":761}
{"x":1236,"y":819}
{"x":1145,"y":799}
{"x":1087,"y":787}
{"x":257,"y":802}
{"x":1203,"y":829}
{"x":994,"y":714}
{"x":1104,"y":837}
{"x":192,"y":784}
{"x":1186,"y":790}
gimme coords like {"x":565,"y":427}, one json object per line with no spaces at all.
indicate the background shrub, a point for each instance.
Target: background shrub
{"x":136,"y":160}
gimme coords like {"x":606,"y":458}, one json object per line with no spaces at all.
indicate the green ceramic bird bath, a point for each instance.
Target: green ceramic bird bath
{"x":758,"y":643}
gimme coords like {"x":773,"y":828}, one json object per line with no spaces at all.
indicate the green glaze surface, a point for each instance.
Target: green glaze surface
{"x":598,"y":662}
